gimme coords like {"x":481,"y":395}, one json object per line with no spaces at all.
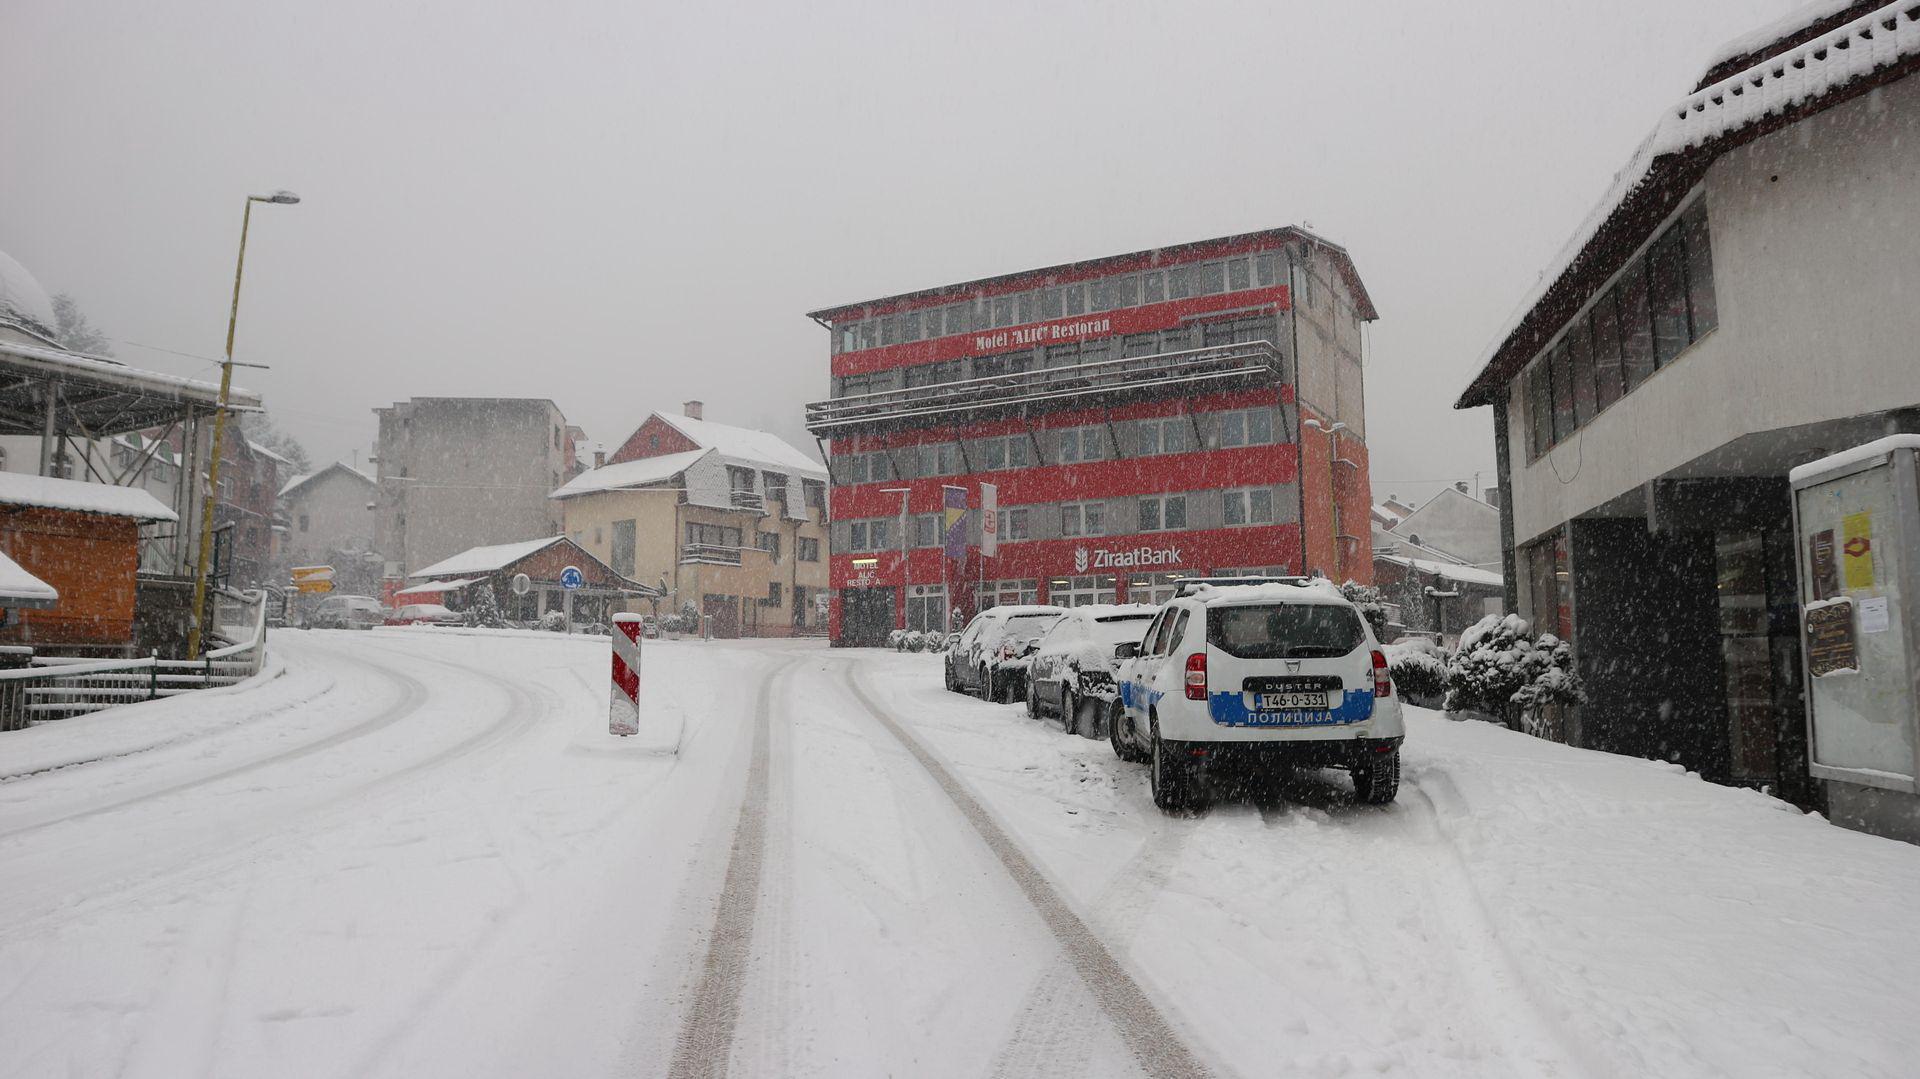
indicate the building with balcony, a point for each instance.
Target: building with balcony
{"x":1139,"y":416}
{"x":728,"y":519}
{"x":1732,"y":308}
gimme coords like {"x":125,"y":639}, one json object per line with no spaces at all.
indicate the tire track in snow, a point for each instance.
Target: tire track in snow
{"x":705,"y":1042}
{"x":1155,"y":1043}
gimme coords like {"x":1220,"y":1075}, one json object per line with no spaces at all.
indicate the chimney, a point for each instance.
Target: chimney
{"x":599,"y":458}
{"x":1493,"y":497}
{"x":1460,"y":486}
{"x":693,"y":410}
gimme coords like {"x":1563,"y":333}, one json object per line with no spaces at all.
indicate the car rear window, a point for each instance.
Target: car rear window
{"x":1284,"y":631}
{"x":1120,"y":628}
{"x":1028,"y":625}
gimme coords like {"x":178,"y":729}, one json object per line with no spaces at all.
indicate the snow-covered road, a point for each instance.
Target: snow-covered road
{"x":419,"y":853}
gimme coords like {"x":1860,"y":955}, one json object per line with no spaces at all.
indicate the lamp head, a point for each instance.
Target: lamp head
{"x":283,"y":198}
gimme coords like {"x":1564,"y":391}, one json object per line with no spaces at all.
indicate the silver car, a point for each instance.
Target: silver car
{"x":347,"y":612}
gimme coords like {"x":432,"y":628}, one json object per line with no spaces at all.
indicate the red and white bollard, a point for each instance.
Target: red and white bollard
{"x":623,"y":713}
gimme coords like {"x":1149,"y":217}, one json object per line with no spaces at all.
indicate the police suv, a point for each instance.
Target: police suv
{"x":1267,"y":675}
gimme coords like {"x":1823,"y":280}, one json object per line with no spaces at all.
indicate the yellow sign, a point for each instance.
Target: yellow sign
{"x":1856,"y":549}
{"x":313,"y":586}
{"x":312,"y":573}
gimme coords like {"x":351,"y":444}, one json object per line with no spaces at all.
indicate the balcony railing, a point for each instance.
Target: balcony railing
{"x":1191,"y":371}
{"x":710,"y":553}
{"x":748,"y":500}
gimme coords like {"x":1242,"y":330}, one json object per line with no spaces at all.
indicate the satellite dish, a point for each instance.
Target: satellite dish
{"x":522,"y":584}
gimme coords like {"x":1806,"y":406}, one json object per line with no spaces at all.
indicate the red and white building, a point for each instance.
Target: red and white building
{"x":1189,"y":410}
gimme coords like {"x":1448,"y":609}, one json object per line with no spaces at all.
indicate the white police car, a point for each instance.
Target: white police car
{"x":1266,"y":675}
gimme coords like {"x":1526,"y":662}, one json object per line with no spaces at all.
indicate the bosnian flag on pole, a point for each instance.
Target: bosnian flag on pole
{"x":954,"y":500}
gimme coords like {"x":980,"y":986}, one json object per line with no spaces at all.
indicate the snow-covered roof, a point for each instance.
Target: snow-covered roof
{"x":435,"y":587}
{"x":1833,"y":462}
{"x":18,"y":588}
{"x":59,"y":361}
{"x":640,"y":473}
{"x":21,"y":489}
{"x":484,"y":560}
{"x":1797,"y":76}
{"x":337,"y":466}
{"x":1752,"y":41}
{"x":266,"y":452}
{"x":22,"y":297}
{"x":1447,"y":570}
{"x":744,"y":445}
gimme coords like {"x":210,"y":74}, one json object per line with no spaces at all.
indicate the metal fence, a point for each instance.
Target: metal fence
{"x":57,"y":687}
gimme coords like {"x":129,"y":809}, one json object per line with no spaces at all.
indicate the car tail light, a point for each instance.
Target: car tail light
{"x":1197,"y":676}
{"x":1382,"y":683}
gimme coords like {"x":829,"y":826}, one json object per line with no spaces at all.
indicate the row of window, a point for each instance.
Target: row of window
{"x":1233,"y":331}
{"x":1245,"y":506}
{"x":1062,"y":301}
{"x":1661,"y":303}
{"x":1077,"y":591}
{"x":1071,"y":445}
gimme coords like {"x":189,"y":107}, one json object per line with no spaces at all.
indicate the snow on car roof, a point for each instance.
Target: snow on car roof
{"x":1321,"y":591}
{"x":1102,"y":612}
{"x":1018,"y":610}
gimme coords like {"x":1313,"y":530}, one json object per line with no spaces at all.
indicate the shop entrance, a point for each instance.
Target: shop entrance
{"x":1760,"y":659}
{"x":866,"y":617}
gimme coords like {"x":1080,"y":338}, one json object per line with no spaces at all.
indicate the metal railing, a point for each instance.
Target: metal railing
{"x":748,"y":500}
{"x":1193,"y":370}
{"x":57,"y":687}
{"x":708,"y":552}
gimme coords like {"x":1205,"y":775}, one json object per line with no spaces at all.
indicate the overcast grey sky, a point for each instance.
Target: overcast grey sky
{"x":620,"y":206}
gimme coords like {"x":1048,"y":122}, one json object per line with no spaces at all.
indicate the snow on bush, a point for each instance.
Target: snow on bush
{"x":914,"y":641}
{"x":1418,"y":667}
{"x":554,"y":621}
{"x":1502,"y":670}
{"x":897,"y":640}
{"x":1371,"y":603}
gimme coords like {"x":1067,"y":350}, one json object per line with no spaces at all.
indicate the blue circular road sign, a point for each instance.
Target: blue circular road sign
{"x":570,"y":578}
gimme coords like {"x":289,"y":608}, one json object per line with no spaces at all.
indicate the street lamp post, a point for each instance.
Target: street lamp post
{"x":196,"y":636}
{"x":1333,"y":491}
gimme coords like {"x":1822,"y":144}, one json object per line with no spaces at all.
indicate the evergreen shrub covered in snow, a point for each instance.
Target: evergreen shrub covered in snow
{"x":485,"y":608}
{"x":1418,"y":667}
{"x":1502,"y":670}
{"x":897,"y":640}
{"x":1371,"y":603}
{"x":914,"y":640}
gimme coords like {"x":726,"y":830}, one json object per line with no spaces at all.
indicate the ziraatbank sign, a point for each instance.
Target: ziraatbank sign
{"x":1085,"y":559}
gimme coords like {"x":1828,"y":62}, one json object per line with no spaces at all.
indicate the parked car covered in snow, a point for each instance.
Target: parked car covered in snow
{"x":347,"y":612}
{"x":1264,"y":676}
{"x":986,"y":658}
{"x":425,"y":614}
{"x":1071,"y":673}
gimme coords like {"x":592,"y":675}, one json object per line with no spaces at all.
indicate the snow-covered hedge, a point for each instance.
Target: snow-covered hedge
{"x":1418,"y":667}
{"x":897,"y":640}
{"x":1502,"y":670}
{"x":914,"y":641}
{"x":1371,"y":603}
{"x":554,"y":622}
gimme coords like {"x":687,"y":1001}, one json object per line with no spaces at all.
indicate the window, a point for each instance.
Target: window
{"x":1126,"y":291}
{"x":926,"y":530}
{"x":932,"y":317}
{"x":1014,"y":524}
{"x":1662,"y":302}
{"x":1179,"y":282}
{"x":1074,"y":298}
{"x":1239,"y":275}
{"x":1153,"y":287}
{"x":1550,"y":599}
{"x":890,"y":330}
{"x":773,"y":594}
{"x":1050,"y":303}
{"x":1008,"y":593}
{"x":936,"y":459}
{"x":1212,"y":278}
{"x":1169,"y":434}
{"x":927,"y":608}
{"x":1001,"y":309}
{"x":1160,"y":513}
{"x":1003,"y":364}
{"x":910,"y":326}
{"x":713,"y":535}
{"x":304,"y":521}
{"x":1139,"y":344}
{"x":1250,"y":506}
{"x":1023,"y":305}
{"x":1081,"y":591}
{"x":870,"y":535}
{"x":806,"y":549}
{"x":1285,"y":631}
{"x":816,"y":494}
{"x":1246,"y":427}
{"x":929,"y":374}
{"x":621,"y":557}
{"x":1266,"y":270}
{"x":1080,"y":444}
{"x":1100,"y":295}
{"x":775,"y":484}
{"x":770,"y":543}
{"x":1008,"y":451}
{"x":1083,"y":519}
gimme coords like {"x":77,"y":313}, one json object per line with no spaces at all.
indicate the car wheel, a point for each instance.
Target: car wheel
{"x":1377,"y":781}
{"x":1087,"y":714}
{"x":986,"y":684}
{"x":1178,"y":784}
{"x":1069,"y":712}
{"x":946,"y":674}
{"x":1117,"y":725}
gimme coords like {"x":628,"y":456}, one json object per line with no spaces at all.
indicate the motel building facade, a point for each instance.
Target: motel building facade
{"x":1135,"y":419}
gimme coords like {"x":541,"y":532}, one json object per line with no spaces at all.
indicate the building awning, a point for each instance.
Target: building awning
{"x":437,"y":587}
{"x":98,"y":397}
{"x":1447,"y":571}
